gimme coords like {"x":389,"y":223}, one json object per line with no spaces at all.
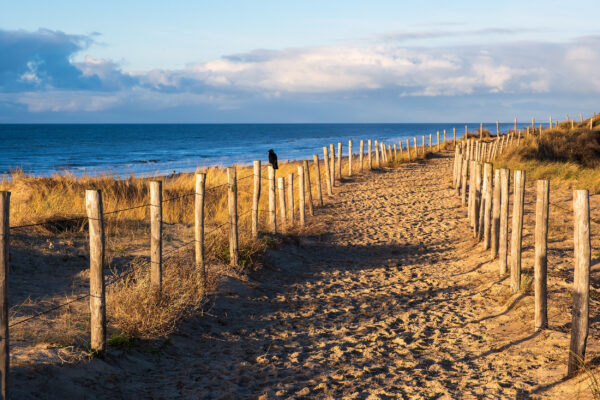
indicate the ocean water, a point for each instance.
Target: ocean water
{"x":158,"y":149}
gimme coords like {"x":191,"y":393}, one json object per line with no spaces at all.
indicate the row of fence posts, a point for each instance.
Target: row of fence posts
{"x":95,"y":214}
{"x":487,"y":202}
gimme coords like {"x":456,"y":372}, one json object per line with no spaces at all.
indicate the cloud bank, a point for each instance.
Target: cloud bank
{"x":39,"y":78}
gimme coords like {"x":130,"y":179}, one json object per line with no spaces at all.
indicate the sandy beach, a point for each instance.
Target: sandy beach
{"x":392,"y":299}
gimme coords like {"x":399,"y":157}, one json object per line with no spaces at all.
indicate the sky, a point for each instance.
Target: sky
{"x":297,"y":61}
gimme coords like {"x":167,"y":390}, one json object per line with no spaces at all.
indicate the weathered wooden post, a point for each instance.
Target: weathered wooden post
{"x":516,"y":125}
{"x":350,"y":157}
{"x":4,"y":259}
{"x":95,"y":213}
{"x":495,"y":228}
{"x":466,"y":136}
{"x":376,"y":145}
{"x":438,"y":141}
{"x":455,"y":167}
{"x":339,"y":160}
{"x":401,"y":150}
{"x":458,"y":183}
{"x":327,"y":172}
{"x":301,"y":199}
{"x":471,"y":196}
{"x":517,"y":231}
{"x":318,"y":180}
{"x":463,"y":181}
{"x":541,"y":258}
{"x":369,"y":155}
{"x":415,"y":146}
{"x":361,"y":156}
{"x":282,"y":205}
{"x":156,"y":234}
{"x":478,"y":202}
{"x":533,"y":124}
{"x":395,"y":153}
{"x":233,"y":215}
{"x":503,"y":237}
{"x":430,"y":142}
{"x":444,"y":137}
{"x":408,"y":149}
{"x":423,"y":144}
{"x":487,"y":211}
{"x":255,"y":199}
{"x":454,"y":135}
{"x":481,"y":131}
{"x":199,"y":228}
{"x":332,"y":164}
{"x":290,"y":196}
{"x":581,"y":281}
{"x":308,"y":187}
{"x":272,"y":206}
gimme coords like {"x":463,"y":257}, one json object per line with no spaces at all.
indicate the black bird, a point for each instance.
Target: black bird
{"x":273,"y":159}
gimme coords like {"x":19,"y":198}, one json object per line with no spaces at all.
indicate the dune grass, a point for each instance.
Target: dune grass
{"x":568,"y":156}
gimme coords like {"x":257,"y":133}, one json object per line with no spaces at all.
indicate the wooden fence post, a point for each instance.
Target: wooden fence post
{"x":349,"y":157}
{"x":272,"y":206}
{"x":256,"y":199}
{"x":199,"y":228}
{"x":471,"y":192}
{"x":318,"y":180}
{"x":495,"y":228}
{"x":581,"y":280}
{"x":361,"y":155}
{"x":290,"y":196}
{"x":233,"y":215}
{"x":401,"y":150}
{"x":444,"y":137}
{"x":327,"y":172}
{"x":376,"y":149}
{"x":339,"y":161}
{"x":369,"y":154}
{"x":487,"y":211}
{"x":282,"y":205}
{"x":438,"y":141}
{"x":454,"y":135}
{"x":478,"y":207}
{"x":463,"y":181}
{"x":541,"y":258}
{"x":395,"y":153}
{"x":95,"y":213}
{"x":156,"y":234}
{"x":4,"y":259}
{"x":415,"y":146}
{"x":517,"y":231}
{"x":332,"y":164}
{"x":301,"y":200}
{"x":408,"y":149}
{"x":308,"y":187}
{"x":503,"y":236}
{"x":457,"y":169}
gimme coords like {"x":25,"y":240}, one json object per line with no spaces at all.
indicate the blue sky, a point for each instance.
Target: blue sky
{"x":304,"y":61}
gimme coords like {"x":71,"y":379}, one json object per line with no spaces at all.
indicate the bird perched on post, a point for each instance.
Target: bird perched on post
{"x":273,"y":159}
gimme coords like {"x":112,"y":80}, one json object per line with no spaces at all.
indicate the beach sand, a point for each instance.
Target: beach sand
{"x":394,"y":300}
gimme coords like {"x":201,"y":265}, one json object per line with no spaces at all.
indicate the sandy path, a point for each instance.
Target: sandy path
{"x":392,"y":303}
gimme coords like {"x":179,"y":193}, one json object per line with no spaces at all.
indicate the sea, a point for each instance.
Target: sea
{"x":123,"y":150}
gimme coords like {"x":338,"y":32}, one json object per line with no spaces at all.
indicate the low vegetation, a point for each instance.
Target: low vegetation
{"x":567,"y":155}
